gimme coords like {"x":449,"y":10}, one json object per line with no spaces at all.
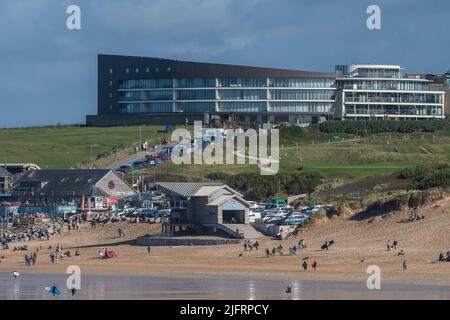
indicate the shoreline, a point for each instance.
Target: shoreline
{"x":123,"y":270}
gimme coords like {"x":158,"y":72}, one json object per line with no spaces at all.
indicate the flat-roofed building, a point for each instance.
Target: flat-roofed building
{"x":139,"y":90}
{"x":366,"y":91}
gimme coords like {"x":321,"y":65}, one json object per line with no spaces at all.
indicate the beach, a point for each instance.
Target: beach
{"x":358,"y":244}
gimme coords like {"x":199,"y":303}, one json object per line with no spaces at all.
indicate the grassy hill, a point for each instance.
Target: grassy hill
{"x":349,"y":158}
{"x":63,"y":147}
{"x":344,"y":156}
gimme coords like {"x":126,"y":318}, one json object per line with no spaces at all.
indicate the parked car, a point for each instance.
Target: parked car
{"x":253,"y":216}
{"x":124,"y":168}
{"x":154,"y":155}
{"x":139,"y":164}
{"x":293,"y":219}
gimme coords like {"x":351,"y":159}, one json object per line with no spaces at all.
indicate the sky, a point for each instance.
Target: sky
{"x":48,"y":73}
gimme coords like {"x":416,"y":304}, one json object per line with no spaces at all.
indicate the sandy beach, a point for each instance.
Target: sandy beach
{"x":358,"y":245}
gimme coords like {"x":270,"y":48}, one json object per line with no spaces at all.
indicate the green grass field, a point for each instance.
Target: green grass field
{"x":64,"y":147}
{"x":348,"y":158}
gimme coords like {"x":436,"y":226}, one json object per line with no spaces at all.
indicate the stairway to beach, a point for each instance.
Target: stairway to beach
{"x":249,"y":231}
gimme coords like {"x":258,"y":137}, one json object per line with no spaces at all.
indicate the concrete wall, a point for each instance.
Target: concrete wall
{"x":138,"y":119}
{"x":156,"y":241}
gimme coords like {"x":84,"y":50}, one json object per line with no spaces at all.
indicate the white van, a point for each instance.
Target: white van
{"x":253,"y":216}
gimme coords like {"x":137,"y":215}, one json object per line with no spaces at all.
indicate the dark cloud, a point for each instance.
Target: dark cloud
{"x":48,"y":73}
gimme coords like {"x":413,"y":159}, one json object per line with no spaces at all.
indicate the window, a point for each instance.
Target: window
{"x":137,"y":70}
{"x":169,"y":69}
{"x":110,"y":83}
{"x":127,"y":70}
{"x":110,"y":71}
{"x":147,"y":69}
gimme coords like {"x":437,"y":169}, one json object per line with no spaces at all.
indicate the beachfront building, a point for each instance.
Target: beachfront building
{"x":87,"y":189}
{"x":6,"y":181}
{"x":211,"y":206}
{"x":138,"y":90}
{"x":366,"y":91}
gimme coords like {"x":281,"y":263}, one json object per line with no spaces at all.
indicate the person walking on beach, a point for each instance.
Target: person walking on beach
{"x":245,"y":245}
{"x":120,"y":233}
{"x":395,"y":244}
{"x":404,"y":265}
{"x":314,"y":265}
{"x":267,"y":253}
{"x":73,"y":290}
{"x":256,"y":245}
{"x":305,"y":265}
{"x":148,"y":249}
{"x":388,"y":245}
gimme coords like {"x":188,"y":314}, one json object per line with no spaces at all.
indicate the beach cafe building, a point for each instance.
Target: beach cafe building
{"x":84,"y":189}
{"x":200,"y":204}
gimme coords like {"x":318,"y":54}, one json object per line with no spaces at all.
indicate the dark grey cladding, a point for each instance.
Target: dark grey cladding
{"x":166,"y":68}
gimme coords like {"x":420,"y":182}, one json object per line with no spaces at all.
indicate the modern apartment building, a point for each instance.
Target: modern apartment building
{"x":139,"y":90}
{"x":133,"y":90}
{"x":382,"y":91}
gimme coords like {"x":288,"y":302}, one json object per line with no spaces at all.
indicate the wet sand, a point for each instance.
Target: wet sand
{"x":31,"y":286}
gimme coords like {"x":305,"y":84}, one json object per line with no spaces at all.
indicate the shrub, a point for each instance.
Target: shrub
{"x":427,"y":176}
{"x":370,"y":127}
{"x":257,"y":187}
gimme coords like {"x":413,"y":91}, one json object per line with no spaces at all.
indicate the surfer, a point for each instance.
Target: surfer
{"x":54,"y":290}
{"x":289,"y":290}
{"x":16,"y":274}
{"x":73,"y":291}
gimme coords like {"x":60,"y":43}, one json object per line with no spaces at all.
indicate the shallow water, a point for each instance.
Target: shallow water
{"x":31,"y":286}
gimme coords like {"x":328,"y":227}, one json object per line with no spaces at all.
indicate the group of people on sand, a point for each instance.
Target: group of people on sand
{"x":301,"y":244}
{"x":442,"y":258}
{"x":59,"y":253}
{"x":30,"y":260}
{"x":305,"y":265}
{"x":249,"y":245}
{"x":391,"y":246}
{"x":414,"y":216}
{"x":122,"y":232}
{"x":394,"y":246}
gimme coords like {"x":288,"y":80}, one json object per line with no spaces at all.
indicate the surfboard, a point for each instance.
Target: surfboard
{"x":324,"y":246}
{"x":49,"y":289}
